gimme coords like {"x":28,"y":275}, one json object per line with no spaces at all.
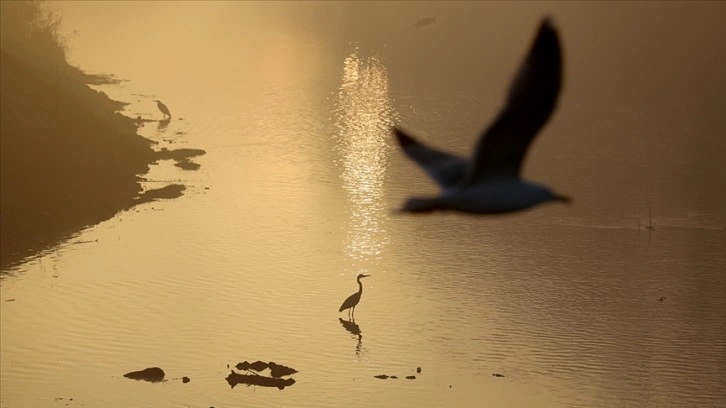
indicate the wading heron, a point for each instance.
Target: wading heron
{"x":353,"y":299}
{"x":163,"y":108}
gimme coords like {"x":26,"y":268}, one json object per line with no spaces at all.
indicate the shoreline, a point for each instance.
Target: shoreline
{"x":69,"y":159}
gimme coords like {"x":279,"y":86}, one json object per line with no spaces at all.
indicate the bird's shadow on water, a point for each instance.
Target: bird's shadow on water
{"x":351,"y":327}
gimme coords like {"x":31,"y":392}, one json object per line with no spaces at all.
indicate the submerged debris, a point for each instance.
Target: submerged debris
{"x":385,"y":376}
{"x":152,"y":374}
{"x":498,"y":375}
{"x":186,"y":164}
{"x":274,"y":380}
{"x":276,"y":370}
{"x":256,"y":379}
{"x":257,"y":366}
{"x":279,"y":370}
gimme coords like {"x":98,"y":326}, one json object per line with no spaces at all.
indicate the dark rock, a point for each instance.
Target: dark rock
{"x":185,"y":380}
{"x":394,"y":377}
{"x":498,"y":375}
{"x":418,"y":370}
{"x":381,"y":376}
{"x":410,"y":377}
{"x":153,"y":374}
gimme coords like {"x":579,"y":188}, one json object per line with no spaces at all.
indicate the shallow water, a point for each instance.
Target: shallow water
{"x":295,"y":197}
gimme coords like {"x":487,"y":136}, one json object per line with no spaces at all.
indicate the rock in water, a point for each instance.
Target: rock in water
{"x":153,"y":374}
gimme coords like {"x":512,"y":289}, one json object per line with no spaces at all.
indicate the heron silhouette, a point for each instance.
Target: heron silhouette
{"x":163,"y":108}
{"x":353,"y":299}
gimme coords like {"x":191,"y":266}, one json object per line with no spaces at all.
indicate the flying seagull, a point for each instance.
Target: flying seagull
{"x":490,"y":181}
{"x":163,"y":108}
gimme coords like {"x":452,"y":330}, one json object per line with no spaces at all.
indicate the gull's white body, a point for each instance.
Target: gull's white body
{"x":485,"y":198}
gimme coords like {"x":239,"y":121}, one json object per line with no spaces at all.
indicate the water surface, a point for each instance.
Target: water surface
{"x":294,"y":198}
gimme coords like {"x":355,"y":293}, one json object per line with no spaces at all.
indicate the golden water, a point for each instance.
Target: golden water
{"x":295,"y":197}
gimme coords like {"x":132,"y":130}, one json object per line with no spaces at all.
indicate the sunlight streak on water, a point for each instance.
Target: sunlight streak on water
{"x":363,"y":119}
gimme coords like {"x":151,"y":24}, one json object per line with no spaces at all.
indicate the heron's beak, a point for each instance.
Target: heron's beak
{"x":365,"y":276}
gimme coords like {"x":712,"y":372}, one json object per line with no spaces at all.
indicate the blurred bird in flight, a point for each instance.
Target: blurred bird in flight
{"x":489,"y":182}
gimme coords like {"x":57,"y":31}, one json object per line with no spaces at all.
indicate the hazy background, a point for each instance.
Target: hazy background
{"x":293,"y":103}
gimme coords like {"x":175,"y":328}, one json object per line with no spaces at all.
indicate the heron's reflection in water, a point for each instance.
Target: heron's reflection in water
{"x":354,"y":329}
{"x":163,"y":124}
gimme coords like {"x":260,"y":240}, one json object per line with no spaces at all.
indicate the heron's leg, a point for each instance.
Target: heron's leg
{"x":353,"y":313}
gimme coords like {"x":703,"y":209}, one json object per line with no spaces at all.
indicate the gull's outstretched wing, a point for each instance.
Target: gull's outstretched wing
{"x":532,"y":98}
{"x":446,"y":169}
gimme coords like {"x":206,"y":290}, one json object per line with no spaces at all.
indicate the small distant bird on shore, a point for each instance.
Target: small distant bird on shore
{"x":353,"y":299}
{"x":163,"y":108}
{"x":489,"y":182}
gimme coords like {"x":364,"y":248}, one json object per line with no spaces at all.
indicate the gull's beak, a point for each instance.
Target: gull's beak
{"x":565,"y":199}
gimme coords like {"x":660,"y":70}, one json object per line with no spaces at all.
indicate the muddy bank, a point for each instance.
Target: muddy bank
{"x":68,"y":158}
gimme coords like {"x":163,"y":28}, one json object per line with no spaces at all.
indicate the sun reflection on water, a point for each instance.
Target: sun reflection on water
{"x":363,"y":119}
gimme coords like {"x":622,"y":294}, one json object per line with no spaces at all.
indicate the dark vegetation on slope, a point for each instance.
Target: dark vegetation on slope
{"x":68,"y":159}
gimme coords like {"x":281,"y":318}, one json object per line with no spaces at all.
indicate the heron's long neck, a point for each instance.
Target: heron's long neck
{"x":360,"y":286}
